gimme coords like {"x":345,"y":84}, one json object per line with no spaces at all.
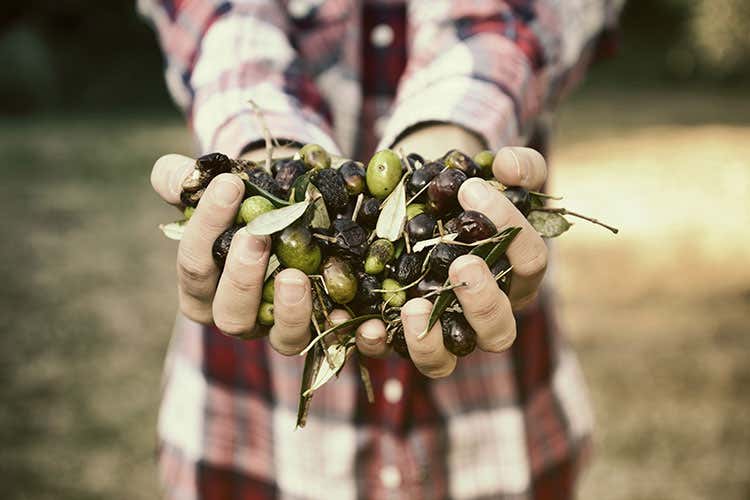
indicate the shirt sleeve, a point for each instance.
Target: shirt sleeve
{"x":221,"y":54}
{"x":492,"y":66}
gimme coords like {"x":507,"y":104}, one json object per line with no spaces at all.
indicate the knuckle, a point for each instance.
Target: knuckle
{"x":192,"y":269}
{"x":234,"y":327}
{"x":242,"y":283}
{"x":537,"y":264}
{"x":500,"y":343}
{"x":485,"y":311}
{"x":438,"y":370}
{"x":285,"y":348}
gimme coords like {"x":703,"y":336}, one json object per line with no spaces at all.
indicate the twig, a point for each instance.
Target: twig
{"x":266,"y":133}
{"x":564,"y":211}
{"x":357,"y":206}
{"x":446,"y":288}
{"x":545,"y":195}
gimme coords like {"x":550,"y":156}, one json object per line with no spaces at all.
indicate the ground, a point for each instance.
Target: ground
{"x":658,"y":314}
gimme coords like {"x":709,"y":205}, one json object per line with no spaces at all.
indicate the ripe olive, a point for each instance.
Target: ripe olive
{"x":500,"y":266}
{"x":367,"y":300}
{"x":220,"y":248}
{"x":213,"y":164}
{"x":369,"y":212}
{"x":394,"y":296}
{"x":484,"y":160}
{"x":458,"y":336}
{"x":456,"y":159}
{"x":520,"y":199}
{"x":474,"y":226}
{"x":314,"y":157}
{"x":331,"y":185}
{"x":425,"y":286}
{"x":443,"y":191}
{"x":415,"y":160}
{"x":383,"y":173}
{"x":353,"y":174}
{"x":379,"y":255}
{"x":442,"y":256}
{"x":422,"y":176}
{"x":296,"y":248}
{"x":257,"y":176}
{"x":350,"y":237}
{"x":339,"y":279}
{"x":287,"y":172}
{"x":252,"y":208}
{"x":409,"y":267}
{"x":420,"y":227}
{"x":265,"y":314}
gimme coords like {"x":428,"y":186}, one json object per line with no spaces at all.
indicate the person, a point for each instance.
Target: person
{"x":510,"y":421}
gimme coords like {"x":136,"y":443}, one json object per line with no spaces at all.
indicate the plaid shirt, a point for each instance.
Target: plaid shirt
{"x":353,"y":76}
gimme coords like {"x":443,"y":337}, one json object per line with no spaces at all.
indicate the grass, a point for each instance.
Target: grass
{"x":658,"y":314}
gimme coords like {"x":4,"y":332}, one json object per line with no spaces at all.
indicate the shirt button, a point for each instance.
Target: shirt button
{"x":393,"y":390}
{"x":381,"y":35}
{"x":390,"y":477}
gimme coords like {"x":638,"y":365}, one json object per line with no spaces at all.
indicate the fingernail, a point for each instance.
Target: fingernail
{"x":254,"y":246}
{"x":370,"y":337}
{"x":291,"y":290}
{"x":476,"y":193}
{"x":469,"y":270}
{"x":178,"y":177}
{"x":226,"y":191}
{"x":416,"y":318}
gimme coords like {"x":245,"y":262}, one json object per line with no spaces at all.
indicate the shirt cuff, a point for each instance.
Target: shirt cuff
{"x":478,"y":106}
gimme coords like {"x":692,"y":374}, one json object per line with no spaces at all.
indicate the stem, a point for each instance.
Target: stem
{"x":266,"y":133}
{"x":564,"y":211}
{"x":545,"y":195}
{"x":357,"y":206}
{"x":446,"y":288}
{"x":325,"y":237}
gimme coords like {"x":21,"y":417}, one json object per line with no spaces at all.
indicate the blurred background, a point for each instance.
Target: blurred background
{"x":656,"y":142}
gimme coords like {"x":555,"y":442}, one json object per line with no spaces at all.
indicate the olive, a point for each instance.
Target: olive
{"x":252,"y":208}
{"x":398,"y":342}
{"x":484,"y":160}
{"x":393,"y":296}
{"x":295,"y":248}
{"x":414,"y":209}
{"x":350,"y":238}
{"x":383,"y":173}
{"x":415,"y":160}
{"x":443,"y":191}
{"x":339,"y":279}
{"x":367,"y":300}
{"x":520,"y":198}
{"x":458,"y":336}
{"x":257,"y":176}
{"x":353,"y":174}
{"x":500,"y":266}
{"x":456,"y":159}
{"x":425,"y":286}
{"x":287,"y":172}
{"x":421,"y":177}
{"x":265,"y":314}
{"x":213,"y":164}
{"x":369,"y":212}
{"x":220,"y":248}
{"x":314,"y":157}
{"x":420,"y":227}
{"x":188,"y":212}
{"x":269,"y":287}
{"x":474,"y":226}
{"x":452,"y":226}
{"x":190,"y":198}
{"x":441,"y":257}
{"x":379,"y":254}
{"x":331,"y":185}
{"x":409,"y":267}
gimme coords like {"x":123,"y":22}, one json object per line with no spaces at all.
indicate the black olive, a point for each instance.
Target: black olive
{"x":258,"y":177}
{"x":520,"y":199}
{"x":442,"y":194}
{"x":220,"y":248}
{"x":456,"y":159}
{"x":409,"y":267}
{"x":353,"y":174}
{"x":415,"y":160}
{"x":500,"y":266}
{"x":443,"y":255}
{"x":398,"y":342}
{"x":367,"y":300}
{"x":213,"y":164}
{"x":420,"y":227}
{"x":425,"y":286}
{"x":331,"y":185}
{"x":369,"y":212}
{"x":421,"y":177}
{"x":474,"y":226}
{"x":287,"y":172}
{"x":458,"y":336}
{"x":351,"y":238}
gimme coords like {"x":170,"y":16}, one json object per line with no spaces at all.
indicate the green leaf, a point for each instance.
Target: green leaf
{"x":549,"y":224}
{"x":174,"y":230}
{"x":313,"y":362}
{"x":392,"y":216}
{"x":276,"y":220}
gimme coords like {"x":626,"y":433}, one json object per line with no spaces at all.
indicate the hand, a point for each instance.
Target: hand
{"x":487,"y":309}
{"x":230,"y":299}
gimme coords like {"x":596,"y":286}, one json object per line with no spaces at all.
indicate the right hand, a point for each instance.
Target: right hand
{"x":230,"y":298}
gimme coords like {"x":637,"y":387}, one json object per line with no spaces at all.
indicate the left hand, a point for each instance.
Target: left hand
{"x":487,"y":309}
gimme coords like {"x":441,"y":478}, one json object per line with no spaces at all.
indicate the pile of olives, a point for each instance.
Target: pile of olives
{"x":349,"y":264}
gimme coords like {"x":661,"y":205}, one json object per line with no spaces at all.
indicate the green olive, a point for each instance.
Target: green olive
{"x":394,"y":296}
{"x":340,"y":280}
{"x":484,"y":160}
{"x":379,"y":254}
{"x":383,"y":173}
{"x":296,"y":248}
{"x":414,"y":209}
{"x":188,"y":212}
{"x":315,"y":157}
{"x":252,"y":208}
{"x":268,"y":291}
{"x":265,"y":314}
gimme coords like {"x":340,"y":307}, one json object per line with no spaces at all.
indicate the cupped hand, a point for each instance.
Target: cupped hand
{"x":230,"y":298}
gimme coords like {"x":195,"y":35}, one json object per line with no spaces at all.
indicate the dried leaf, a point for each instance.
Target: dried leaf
{"x":320,"y":218}
{"x":351,"y":323}
{"x":392,"y":214}
{"x":364,"y":374}
{"x":273,"y":265}
{"x":174,"y":230}
{"x":276,"y":220}
{"x":421,"y":245}
{"x":337,"y":356}
{"x":549,"y":224}
{"x":313,"y":362}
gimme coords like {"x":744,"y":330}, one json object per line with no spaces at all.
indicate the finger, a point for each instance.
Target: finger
{"x":292,"y":309}
{"x":371,"y":337}
{"x":168,"y":174}
{"x":527,"y":253}
{"x":524,"y":167}
{"x":486,"y":308}
{"x":428,"y":354}
{"x":196,"y":271}
{"x":235,"y":305}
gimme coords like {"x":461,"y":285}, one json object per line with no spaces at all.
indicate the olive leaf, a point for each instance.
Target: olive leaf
{"x":447,"y":298}
{"x":548,"y":224}
{"x":421,"y":245}
{"x":254,"y":190}
{"x":337,"y":354}
{"x":273,"y":265}
{"x":364,"y":374}
{"x":320,"y":218}
{"x":313,"y":362}
{"x":174,"y":230}
{"x":392,"y":216}
{"x":351,"y":323}
{"x":276,"y":220}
